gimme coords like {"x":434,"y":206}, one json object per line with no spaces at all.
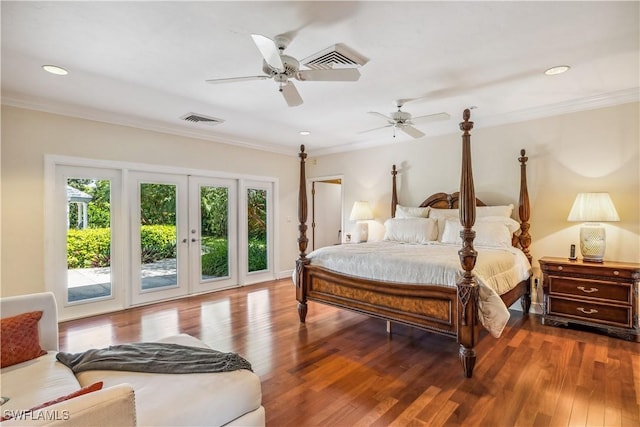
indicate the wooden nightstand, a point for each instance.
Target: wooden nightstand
{"x":603,"y":295}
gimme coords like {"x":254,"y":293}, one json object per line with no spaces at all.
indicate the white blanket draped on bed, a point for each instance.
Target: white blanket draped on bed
{"x":497,"y":269}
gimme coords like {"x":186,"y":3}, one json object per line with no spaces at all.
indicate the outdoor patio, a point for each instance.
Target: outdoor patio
{"x":89,"y":283}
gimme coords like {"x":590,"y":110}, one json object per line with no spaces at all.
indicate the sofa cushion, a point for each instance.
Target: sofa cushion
{"x":203,"y":399}
{"x":19,"y":339}
{"x":109,"y":407}
{"x":39,"y":380}
{"x":82,"y":391}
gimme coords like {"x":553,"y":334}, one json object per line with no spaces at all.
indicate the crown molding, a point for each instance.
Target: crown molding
{"x":602,"y":100}
{"x":138,"y":123}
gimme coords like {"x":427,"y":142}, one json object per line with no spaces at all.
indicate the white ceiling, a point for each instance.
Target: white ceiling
{"x":145,"y":64}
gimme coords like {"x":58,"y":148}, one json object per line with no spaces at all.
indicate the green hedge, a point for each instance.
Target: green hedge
{"x":87,"y":248}
{"x":215,"y":257}
{"x":91,"y":247}
{"x":158,"y":242}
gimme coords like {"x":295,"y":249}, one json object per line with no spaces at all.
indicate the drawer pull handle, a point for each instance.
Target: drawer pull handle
{"x":616,"y":273}
{"x":559,"y":267}
{"x":587,"y":291}
{"x":590,"y":311}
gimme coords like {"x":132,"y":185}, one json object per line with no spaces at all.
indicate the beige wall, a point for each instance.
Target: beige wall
{"x":589,"y":151}
{"x":27,"y":136}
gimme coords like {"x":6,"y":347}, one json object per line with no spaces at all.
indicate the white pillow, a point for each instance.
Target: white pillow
{"x":505,"y":210}
{"x":511,"y":223}
{"x":491,"y":233}
{"x":411,"y":212}
{"x":442,"y":215}
{"x":497,"y":213}
{"x":411,"y":230}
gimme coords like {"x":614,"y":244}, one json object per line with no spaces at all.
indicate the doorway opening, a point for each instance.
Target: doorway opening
{"x":326,"y":212}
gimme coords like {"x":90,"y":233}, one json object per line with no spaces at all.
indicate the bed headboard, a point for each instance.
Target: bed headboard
{"x":521,"y":239}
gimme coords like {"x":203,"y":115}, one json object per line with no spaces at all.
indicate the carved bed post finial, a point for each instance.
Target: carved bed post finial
{"x":394,"y":192}
{"x":302,"y":239}
{"x":467,"y":286}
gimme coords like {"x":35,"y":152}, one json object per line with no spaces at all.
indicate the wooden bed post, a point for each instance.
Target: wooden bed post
{"x":467,"y":285}
{"x":301,"y":295}
{"x":524,"y":211}
{"x":394,"y":192}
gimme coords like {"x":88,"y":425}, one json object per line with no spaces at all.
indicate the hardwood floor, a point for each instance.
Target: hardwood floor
{"x":342,"y":369}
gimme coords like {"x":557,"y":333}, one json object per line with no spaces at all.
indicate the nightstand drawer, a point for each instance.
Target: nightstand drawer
{"x":614,"y":271}
{"x":609,"y":291}
{"x":592,"y":312}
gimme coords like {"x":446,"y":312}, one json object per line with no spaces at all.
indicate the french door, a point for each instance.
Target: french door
{"x":213,"y":242}
{"x":159,"y":230}
{"x":86,"y":255}
{"x":183,"y":235}
{"x":122,"y":237}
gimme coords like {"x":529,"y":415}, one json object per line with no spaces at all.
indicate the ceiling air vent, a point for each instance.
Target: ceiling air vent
{"x":336,"y":56}
{"x":199,"y":118}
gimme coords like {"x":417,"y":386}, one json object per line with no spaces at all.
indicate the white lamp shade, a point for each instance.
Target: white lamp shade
{"x":593,"y":207}
{"x":361,"y":211}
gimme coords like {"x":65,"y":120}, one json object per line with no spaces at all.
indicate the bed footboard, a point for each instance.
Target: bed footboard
{"x":428,"y":307}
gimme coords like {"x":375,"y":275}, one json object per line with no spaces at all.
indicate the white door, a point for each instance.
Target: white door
{"x":256,"y":231}
{"x":86,"y":249}
{"x":159,"y":230}
{"x":213,"y":242}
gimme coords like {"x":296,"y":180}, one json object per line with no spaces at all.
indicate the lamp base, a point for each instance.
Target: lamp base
{"x":592,"y":242}
{"x":361,"y":232}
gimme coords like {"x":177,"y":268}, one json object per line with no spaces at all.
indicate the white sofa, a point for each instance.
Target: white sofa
{"x":127,"y":398}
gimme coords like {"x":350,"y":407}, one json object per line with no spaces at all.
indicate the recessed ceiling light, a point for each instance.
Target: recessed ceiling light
{"x":305,"y":132}
{"x":54,"y":69}
{"x":557,"y":70}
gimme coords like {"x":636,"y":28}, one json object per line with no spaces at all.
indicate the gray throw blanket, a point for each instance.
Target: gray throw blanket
{"x":161,"y":358}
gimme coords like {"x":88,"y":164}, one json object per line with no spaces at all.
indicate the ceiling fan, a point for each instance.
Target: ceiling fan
{"x":403,"y":120}
{"x":282,"y":68}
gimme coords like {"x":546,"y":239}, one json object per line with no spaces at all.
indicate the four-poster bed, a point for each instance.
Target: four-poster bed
{"x":449,"y":310}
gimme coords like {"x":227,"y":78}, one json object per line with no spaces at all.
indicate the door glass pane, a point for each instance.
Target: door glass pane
{"x":158,"y":261}
{"x":214,"y":232}
{"x":88,"y":239}
{"x":257,"y":229}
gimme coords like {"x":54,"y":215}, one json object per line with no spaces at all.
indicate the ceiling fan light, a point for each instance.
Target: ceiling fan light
{"x":54,"y":69}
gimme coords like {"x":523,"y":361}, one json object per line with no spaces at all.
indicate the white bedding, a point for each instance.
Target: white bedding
{"x":497,"y":269}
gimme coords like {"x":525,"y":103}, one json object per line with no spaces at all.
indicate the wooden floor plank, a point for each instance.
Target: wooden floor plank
{"x":342,"y":369}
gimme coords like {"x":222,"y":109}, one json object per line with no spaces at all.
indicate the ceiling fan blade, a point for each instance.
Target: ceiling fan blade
{"x":269,"y":51}
{"x":237,"y":79}
{"x":371,"y":130}
{"x":291,"y":94}
{"x":335,"y":75}
{"x":411,"y":131}
{"x":432,"y":117}
{"x":375,"y":113}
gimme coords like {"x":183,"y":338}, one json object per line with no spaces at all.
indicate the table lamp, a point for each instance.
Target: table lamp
{"x":361,"y":213}
{"x":592,"y":208}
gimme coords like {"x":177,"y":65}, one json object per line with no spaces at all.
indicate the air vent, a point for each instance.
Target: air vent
{"x":199,"y":118}
{"x":336,"y":56}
